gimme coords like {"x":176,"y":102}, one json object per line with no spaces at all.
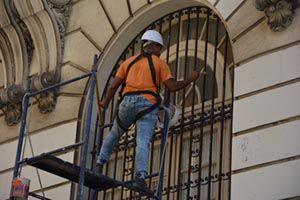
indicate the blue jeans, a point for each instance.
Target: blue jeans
{"x":128,"y":108}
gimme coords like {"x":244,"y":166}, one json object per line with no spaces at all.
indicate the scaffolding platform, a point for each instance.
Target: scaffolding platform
{"x":77,"y":173}
{"x":71,"y":172}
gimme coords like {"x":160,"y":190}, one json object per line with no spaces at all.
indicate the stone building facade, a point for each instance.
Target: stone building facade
{"x":51,"y":41}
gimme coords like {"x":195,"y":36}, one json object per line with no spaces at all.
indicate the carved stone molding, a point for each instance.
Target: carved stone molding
{"x":46,"y":101}
{"x":31,"y":27}
{"x":279,"y":13}
{"x":25,"y":33}
{"x":12,"y":94}
{"x":60,"y":10}
{"x":12,"y":114}
{"x":44,"y":80}
{"x":59,"y":2}
{"x":10,"y":103}
{"x":11,"y":98}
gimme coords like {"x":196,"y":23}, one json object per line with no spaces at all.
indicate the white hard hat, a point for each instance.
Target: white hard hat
{"x":154,"y":36}
{"x":173,"y":112}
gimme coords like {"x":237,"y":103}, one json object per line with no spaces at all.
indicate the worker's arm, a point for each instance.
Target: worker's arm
{"x":111,"y":90}
{"x":173,"y":85}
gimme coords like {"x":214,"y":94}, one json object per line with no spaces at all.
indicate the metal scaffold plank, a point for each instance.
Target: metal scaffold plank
{"x":71,"y":172}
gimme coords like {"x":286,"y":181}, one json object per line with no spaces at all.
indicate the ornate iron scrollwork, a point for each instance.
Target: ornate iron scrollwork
{"x":279,"y":13}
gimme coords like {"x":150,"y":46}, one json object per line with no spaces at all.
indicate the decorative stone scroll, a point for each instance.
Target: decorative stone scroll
{"x":10,"y":103}
{"x":279,"y":13}
{"x":46,"y":101}
{"x":60,"y":10}
{"x":22,"y":20}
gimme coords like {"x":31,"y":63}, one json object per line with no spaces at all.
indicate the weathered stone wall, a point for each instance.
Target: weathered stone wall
{"x":266,"y":115}
{"x":266,"y":111}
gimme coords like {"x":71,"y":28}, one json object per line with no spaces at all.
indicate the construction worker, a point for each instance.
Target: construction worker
{"x":142,"y":74}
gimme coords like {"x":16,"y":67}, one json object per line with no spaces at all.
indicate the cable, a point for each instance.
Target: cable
{"x":31,"y":147}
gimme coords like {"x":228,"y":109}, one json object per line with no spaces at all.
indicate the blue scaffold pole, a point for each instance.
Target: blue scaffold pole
{"x":163,"y":148}
{"x":22,"y":130}
{"x":87,"y":130}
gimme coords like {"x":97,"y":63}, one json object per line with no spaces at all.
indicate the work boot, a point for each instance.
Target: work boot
{"x":140,"y":184}
{"x":98,"y":169}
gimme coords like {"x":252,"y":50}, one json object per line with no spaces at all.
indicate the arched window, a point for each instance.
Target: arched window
{"x":198,"y":148}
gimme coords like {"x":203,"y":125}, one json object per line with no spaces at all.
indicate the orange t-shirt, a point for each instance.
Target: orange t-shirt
{"x":139,"y":77}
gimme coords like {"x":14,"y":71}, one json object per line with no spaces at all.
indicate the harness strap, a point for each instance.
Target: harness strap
{"x":147,"y":110}
{"x":133,"y":62}
{"x":152,"y":69}
{"x":156,"y":95}
{"x":141,"y":92}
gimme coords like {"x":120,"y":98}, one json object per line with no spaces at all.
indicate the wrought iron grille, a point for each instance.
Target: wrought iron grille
{"x":198,"y":152}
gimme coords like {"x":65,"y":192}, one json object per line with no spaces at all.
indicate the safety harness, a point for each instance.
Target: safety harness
{"x":156,"y":95}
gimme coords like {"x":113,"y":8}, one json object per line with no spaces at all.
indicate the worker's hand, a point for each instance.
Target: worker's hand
{"x":103,"y":105}
{"x":195,"y":75}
